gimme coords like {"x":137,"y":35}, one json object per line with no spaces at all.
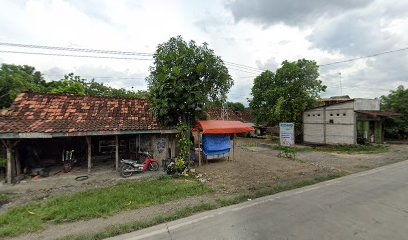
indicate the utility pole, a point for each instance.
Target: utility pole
{"x":341,"y":87}
{"x":224,"y":111}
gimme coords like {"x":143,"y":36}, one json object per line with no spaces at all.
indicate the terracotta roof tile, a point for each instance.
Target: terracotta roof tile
{"x":35,"y":112}
{"x":215,"y":114}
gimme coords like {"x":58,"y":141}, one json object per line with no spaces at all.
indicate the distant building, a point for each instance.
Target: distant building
{"x":333,"y":100}
{"x":345,"y":121}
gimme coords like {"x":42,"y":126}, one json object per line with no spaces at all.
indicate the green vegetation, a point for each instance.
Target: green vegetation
{"x":236,"y":106}
{"x":190,"y":210}
{"x":100,"y":202}
{"x":284,"y":95}
{"x":349,"y":149}
{"x":396,"y":101}
{"x":352,"y":149}
{"x":15,"y":79}
{"x":184,"y":77}
{"x":4,"y":197}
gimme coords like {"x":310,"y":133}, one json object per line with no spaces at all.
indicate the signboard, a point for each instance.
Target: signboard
{"x":287,"y":134}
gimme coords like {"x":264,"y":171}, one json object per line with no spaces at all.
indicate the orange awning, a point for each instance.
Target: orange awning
{"x":222,"y":127}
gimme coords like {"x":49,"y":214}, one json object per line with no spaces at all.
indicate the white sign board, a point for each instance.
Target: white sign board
{"x":287,"y":134}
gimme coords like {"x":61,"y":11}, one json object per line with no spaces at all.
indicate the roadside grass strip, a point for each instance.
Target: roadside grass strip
{"x":119,"y":229}
{"x":99,"y":202}
{"x":349,"y":149}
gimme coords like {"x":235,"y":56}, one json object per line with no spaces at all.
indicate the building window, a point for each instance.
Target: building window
{"x":308,"y":115}
{"x":331,"y":121}
{"x":331,"y":114}
{"x":314,"y":115}
{"x":318,"y":115}
{"x":344,"y":114}
{"x":338,"y":114}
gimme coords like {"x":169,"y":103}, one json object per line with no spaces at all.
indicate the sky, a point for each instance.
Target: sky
{"x":260,"y":34}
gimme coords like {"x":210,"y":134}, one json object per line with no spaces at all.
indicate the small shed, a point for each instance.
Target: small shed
{"x":216,"y":137}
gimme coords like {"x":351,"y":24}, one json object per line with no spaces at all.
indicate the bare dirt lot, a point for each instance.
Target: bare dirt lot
{"x":255,"y":165}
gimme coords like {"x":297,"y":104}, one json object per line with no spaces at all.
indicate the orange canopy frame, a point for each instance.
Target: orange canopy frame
{"x":222,"y":127}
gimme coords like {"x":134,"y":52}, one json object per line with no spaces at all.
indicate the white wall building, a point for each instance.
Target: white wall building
{"x":349,"y":122}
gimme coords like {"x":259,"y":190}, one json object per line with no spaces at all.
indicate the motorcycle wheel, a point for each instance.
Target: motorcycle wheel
{"x":153,"y":166}
{"x":125,"y":170}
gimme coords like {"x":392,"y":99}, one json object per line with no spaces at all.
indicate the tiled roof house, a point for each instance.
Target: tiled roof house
{"x":89,"y":121}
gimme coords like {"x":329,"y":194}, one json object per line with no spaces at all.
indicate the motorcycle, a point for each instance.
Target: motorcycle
{"x":129,"y":166}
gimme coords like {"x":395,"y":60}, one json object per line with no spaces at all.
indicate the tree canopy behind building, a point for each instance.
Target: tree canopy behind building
{"x":396,"y":101}
{"x":15,"y":79}
{"x":284,"y":95}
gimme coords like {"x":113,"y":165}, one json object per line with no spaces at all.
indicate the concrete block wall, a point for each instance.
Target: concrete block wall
{"x":313,"y":127}
{"x":330,"y":125}
{"x":161,"y":145}
{"x":366,"y":104}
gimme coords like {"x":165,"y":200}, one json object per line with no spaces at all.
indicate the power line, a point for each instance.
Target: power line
{"x":73,"y":55}
{"x":368,"y":56}
{"x":244,"y":66}
{"x":88,"y":50}
{"x":75,"y":49}
{"x":90,"y":76}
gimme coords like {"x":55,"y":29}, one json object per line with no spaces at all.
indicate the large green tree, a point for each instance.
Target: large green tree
{"x":396,"y":101}
{"x":284,"y":95}
{"x":185,"y":76}
{"x":15,"y":79}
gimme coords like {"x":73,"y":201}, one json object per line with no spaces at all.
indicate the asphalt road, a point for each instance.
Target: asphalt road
{"x":367,"y":205}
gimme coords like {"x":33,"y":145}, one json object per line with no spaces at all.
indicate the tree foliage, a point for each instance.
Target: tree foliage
{"x":15,"y":79}
{"x":236,"y":106}
{"x":80,"y":86}
{"x":184,"y":77}
{"x":283,"y":96}
{"x":396,"y":101}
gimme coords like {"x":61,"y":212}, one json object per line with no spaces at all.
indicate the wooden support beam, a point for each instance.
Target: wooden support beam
{"x":199,"y":148}
{"x":18,"y":163}
{"x":89,"y":145}
{"x":233,"y":147}
{"x":9,"y":156}
{"x":117,"y":152}
{"x":9,"y":165}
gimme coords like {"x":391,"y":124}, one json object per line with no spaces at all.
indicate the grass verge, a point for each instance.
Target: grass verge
{"x":100,"y":202}
{"x":115,"y":230}
{"x":4,"y":197}
{"x":349,"y":149}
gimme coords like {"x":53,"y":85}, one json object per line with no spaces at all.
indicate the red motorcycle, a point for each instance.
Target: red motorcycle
{"x":129,"y":166}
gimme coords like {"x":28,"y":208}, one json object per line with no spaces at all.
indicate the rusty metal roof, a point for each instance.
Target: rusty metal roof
{"x":378,"y":113}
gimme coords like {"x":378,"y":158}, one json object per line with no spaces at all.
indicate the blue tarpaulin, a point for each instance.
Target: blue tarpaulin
{"x":216,"y":144}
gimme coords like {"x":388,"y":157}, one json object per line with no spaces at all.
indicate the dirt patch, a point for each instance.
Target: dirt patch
{"x":254,"y":167}
{"x":351,"y":163}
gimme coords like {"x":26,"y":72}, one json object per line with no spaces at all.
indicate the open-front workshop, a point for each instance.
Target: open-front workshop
{"x":46,"y":131}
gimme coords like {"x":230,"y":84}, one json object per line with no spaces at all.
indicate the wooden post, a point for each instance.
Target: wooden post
{"x":89,"y":144}
{"x":233,"y":147}
{"x":10,"y":159}
{"x":199,"y":148}
{"x":18,"y":163}
{"x":117,"y":152}
{"x":9,"y":167}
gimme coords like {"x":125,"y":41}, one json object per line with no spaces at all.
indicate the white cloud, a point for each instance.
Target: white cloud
{"x":337,"y":31}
